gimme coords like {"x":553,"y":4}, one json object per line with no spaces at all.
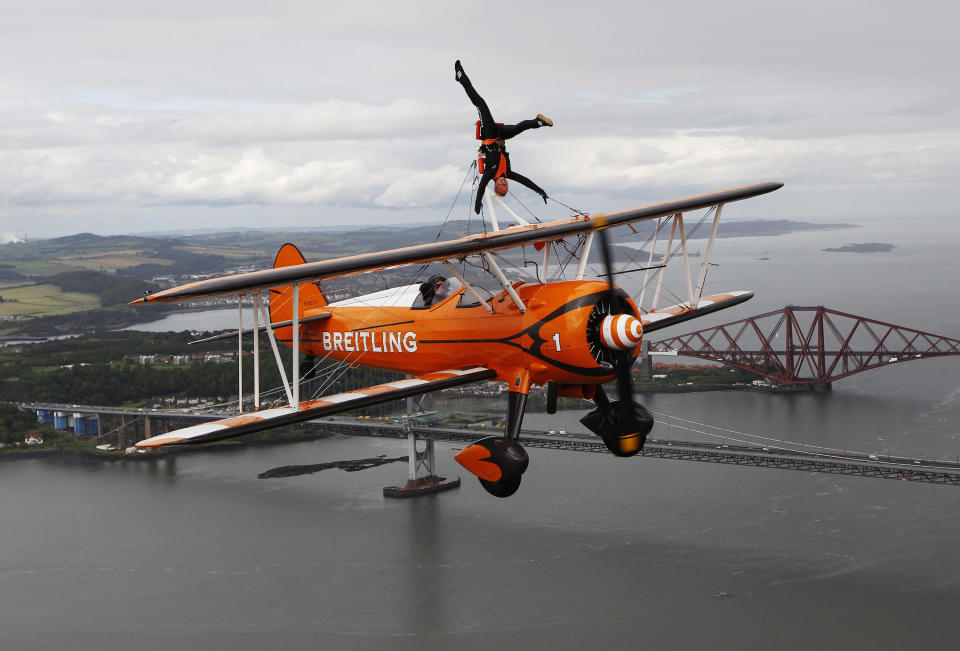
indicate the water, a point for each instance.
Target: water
{"x":20,"y":341}
{"x":591,"y":552}
{"x":204,"y":320}
{"x":198,"y":553}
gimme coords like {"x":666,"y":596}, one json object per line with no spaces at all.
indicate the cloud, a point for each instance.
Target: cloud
{"x":421,"y":188}
{"x":230,"y":110}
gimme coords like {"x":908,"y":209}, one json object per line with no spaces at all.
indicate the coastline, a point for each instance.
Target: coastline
{"x":19,"y":454}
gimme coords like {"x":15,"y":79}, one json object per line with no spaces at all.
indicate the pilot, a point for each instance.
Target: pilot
{"x":493,"y":150}
{"x":434,"y":290}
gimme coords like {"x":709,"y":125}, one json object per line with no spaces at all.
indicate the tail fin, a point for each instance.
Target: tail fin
{"x":281,"y":300}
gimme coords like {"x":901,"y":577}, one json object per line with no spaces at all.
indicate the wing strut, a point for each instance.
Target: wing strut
{"x":258,"y":301}
{"x":295,"y":346}
{"x":499,"y":199}
{"x":653,"y":249}
{"x":470,"y":288}
{"x":706,"y":257}
{"x":504,"y":282}
{"x":256,"y":353}
{"x":666,"y":260}
{"x":240,"y":352}
{"x":545,"y":275}
{"x":292,"y":387}
{"x":686,"y":262}
{"x":493,"y":212}
{"x":582,"y":265}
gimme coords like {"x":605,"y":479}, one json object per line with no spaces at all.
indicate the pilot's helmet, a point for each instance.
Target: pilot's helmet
{"x":440,"y":288}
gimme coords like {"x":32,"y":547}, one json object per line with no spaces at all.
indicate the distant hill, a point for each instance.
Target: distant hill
{"x":110,"y":270}
{"x":745,"y":228}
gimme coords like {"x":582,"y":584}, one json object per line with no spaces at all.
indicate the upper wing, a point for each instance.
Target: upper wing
{"x":310,"y":409}
{"x":503,"y":239}
{"x":675,"y":314}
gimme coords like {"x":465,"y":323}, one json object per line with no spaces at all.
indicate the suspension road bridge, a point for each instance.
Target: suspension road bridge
{"x":140,"y":422}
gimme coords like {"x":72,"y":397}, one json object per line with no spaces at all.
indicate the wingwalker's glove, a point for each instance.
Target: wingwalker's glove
{"x":544,"y":197}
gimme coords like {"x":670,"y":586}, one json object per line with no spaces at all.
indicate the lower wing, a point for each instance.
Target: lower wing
{"x":675,"y":314}
{"x":325,"y":406}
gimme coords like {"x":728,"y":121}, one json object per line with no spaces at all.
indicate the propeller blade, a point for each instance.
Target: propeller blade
{"x":622,"y":358}
{"x":623,"y":424}
{"x":552,"y":391}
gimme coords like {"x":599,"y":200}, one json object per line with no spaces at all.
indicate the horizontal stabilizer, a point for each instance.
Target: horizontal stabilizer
{"x":263,"y":328}
{"x":675,"y":314}
{"x":327,"y":406}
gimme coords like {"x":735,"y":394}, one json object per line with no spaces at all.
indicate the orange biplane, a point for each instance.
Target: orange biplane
{"x":569,"y":334}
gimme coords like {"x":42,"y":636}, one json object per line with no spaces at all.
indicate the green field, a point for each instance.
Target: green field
{"x":43,"y":267}
{"x":230,"y":252}
{"x":111,"y":261}
{"x":44,"y":300}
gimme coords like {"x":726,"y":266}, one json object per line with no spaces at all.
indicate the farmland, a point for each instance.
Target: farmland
{"x":43,"y":299}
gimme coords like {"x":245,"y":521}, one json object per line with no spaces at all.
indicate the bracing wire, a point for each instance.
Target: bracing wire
{"x":470,"y":169}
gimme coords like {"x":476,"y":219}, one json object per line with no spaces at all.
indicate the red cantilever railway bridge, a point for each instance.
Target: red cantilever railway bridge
{"x":810,"y":346}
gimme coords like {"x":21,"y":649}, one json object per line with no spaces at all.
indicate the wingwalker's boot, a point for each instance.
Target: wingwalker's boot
{"x":542,"y":120}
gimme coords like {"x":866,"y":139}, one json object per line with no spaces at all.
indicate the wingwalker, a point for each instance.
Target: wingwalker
{"x":571,"y":335}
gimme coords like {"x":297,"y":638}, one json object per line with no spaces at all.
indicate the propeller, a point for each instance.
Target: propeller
{"x":623,"y":424}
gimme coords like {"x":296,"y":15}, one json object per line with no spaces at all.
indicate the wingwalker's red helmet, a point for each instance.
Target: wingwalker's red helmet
{"x":500,"y":186}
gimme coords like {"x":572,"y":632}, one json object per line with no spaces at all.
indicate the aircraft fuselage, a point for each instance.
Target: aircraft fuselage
{"x":550,"y":341}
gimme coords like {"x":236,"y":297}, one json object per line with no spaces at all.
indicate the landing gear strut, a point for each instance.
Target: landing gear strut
{"x":499,"y":461}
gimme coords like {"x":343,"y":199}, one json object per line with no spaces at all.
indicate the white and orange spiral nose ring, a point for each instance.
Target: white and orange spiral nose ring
{"x":620,"y":331}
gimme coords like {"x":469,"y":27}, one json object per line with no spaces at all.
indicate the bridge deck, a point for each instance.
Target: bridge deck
{"x":899,"y":468}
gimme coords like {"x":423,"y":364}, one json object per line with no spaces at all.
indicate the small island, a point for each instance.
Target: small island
{"x":866,"y":247}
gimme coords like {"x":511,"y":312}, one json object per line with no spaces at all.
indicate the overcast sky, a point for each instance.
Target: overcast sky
{"x":135,"y":116}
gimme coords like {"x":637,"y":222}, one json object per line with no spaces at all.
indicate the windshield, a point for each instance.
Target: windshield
{"x":467,"y":299}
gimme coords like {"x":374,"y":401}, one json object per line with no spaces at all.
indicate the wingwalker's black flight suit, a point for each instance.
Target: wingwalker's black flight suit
{"x":497,"y":161}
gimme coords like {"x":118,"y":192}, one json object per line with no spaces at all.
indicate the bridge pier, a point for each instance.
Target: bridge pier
{"x":644,"y":363}
{"x":117,"y":425}
{"x":421,"y":478}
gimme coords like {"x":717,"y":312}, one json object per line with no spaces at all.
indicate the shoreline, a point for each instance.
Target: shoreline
{"x":121,"y":455}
